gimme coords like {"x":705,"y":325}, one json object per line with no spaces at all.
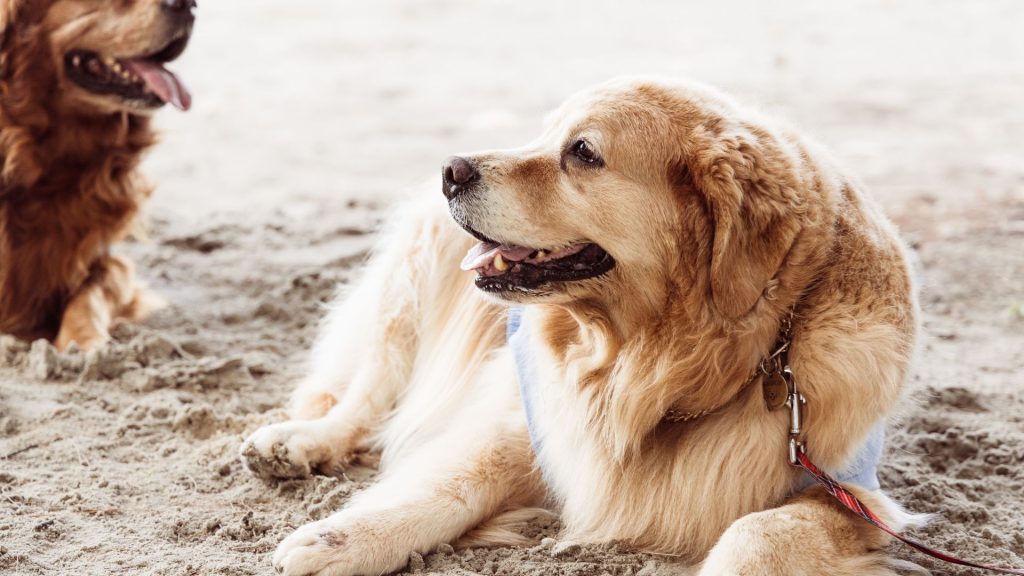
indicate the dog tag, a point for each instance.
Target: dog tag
{"x":775,"y":390}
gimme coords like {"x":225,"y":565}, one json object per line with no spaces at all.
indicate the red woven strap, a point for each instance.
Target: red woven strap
{"x":847,"y":499}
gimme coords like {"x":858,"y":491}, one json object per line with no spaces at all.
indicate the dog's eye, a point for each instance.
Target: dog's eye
{"x":583,"y":152}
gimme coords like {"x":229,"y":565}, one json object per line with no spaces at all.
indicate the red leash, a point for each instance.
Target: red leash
{"x":852,"y":503}
{"x":798,"y":457}
{"x":779,"y":389}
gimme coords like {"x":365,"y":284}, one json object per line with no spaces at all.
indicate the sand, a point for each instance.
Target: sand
{"x":312,"y":117}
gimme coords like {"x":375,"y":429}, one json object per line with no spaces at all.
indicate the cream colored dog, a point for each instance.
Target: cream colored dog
{"x":650,"y":243}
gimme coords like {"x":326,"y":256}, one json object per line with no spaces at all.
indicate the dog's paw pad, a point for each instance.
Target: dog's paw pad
{"x":312,"y":549}
{"x":345,"y":544}
{"x":270,"y":459}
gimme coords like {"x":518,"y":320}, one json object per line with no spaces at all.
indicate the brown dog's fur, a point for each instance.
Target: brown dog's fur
{"x":69,"y":187}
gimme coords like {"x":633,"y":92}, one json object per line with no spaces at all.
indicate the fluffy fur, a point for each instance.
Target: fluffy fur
{"x":720,"y":221}
{"x":69,"y":185}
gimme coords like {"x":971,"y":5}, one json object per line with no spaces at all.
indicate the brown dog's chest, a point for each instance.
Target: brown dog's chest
{"x":50,"y":237}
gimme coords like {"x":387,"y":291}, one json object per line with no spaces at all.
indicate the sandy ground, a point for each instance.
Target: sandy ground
{"x":312,"y":117}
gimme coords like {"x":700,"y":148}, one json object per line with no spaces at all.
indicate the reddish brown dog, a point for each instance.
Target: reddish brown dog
{"x":78,"y":82}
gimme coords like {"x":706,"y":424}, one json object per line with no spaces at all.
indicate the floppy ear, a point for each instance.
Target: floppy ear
{"x":10,"y":10}
{"x":7,"y":10}
{"x":8,"y":14}
{"x":13,"y":15}
{"x":750,"y":186}
{"x":19,"y":106}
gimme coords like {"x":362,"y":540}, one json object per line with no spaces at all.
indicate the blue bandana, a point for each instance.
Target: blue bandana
{"x":862,"y":470}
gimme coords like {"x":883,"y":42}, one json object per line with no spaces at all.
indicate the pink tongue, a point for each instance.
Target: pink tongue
{"x":481,"y":255}
{"x":162,"y":82}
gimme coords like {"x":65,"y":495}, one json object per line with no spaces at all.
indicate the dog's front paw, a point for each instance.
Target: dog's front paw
{"x":284,"y":450}
{"x":86,"y":338}
{"x":809,"y":537}
{"x":336,"y":547}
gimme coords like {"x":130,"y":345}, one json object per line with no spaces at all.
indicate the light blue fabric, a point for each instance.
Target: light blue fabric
{"x":526,"y":370}
{"x":862,"y":470}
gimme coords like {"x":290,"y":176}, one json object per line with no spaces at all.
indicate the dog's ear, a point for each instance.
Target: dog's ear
{"x":8,"y":15}
{"x":12,"y":14}
{"x":8,"y":11}
{"x":11,"y":11}
{"x":15,"y":14}
{"x":19,"y":40}
{"x":750,"y":187}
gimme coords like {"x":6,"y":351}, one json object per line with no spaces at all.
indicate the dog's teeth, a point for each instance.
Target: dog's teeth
{"x":541,"y":255}
{"x":76,"y":61}
{"x":110,"y":62}
{"x":500,"y":263}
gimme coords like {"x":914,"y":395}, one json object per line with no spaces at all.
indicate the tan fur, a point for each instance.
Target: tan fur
{"x":504,"y":529}
{"x":720,"y":222}
{"x":69,"y":185}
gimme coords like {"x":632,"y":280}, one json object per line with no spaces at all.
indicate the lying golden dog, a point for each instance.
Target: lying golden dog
{"x":78,"y":81}
{"x":653,"y":244}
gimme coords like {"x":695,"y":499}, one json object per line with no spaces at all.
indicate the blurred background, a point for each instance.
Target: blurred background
{"x":321,"y":100}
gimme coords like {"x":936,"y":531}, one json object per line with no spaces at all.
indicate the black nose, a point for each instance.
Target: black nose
{"x":459,"y":175}
{"x":179,"y":5}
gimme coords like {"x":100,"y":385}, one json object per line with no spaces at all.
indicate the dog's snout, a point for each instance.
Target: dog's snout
{"x":179,"y":6}
{"x":458,"y":175}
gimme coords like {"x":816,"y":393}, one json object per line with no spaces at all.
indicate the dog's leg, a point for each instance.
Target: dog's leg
{"x":481,"y":467}
{"x":365,"y":356}
{"x":296,"y":448}
{"x":359,"y":366}
{"x":809,"y":535}
{"x":367,"y":340}
{"x":372,"y":332}
{"x":109,"y":293}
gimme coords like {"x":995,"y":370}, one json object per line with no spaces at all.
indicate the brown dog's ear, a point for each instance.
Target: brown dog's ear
{"x":16,"y":13}
{"x":10,"y":10}
{"x":750,"y":187}
{"x":19,"y":39}
{"x":8,"y":14}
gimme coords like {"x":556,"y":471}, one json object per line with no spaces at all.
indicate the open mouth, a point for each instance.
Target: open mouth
{"x":142,"y":81}
{"x":511,"y":268}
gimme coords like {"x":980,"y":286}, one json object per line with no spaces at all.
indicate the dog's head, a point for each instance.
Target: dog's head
{"x":636,"y":190}
{"x":95,"y":56}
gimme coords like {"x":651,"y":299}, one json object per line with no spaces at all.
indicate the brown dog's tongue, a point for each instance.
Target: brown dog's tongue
{"x":162,"y":82}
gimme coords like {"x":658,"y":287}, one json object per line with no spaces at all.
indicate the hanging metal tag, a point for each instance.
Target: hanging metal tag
{"x":775,"y":390}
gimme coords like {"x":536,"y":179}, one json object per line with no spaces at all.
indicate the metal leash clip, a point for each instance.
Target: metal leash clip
{"x":795,"y":401}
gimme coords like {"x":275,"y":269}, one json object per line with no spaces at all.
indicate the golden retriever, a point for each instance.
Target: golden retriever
{"x":78,"y":82}
{"x":650,"y":246}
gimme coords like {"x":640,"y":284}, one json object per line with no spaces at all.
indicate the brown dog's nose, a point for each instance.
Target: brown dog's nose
{"x":459,"y":175}
{"x":179,"y":5}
